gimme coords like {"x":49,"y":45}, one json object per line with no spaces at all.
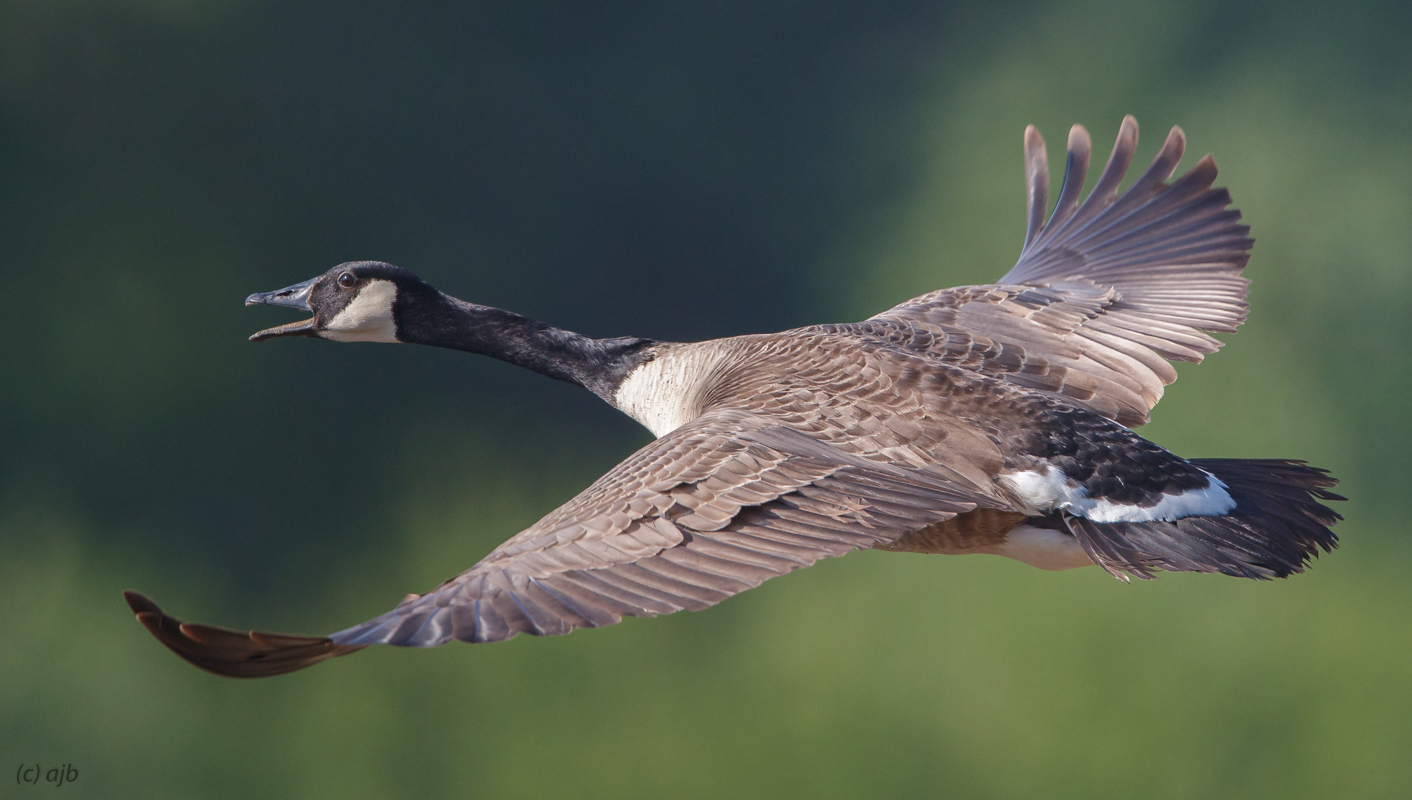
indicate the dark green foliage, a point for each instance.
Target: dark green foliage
{"x":674,"y":173}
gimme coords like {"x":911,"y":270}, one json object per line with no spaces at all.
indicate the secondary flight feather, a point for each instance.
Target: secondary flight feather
{"x":980,"y":419}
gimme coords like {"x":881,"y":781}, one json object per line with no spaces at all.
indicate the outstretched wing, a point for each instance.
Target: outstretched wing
{"x":1105,"y":292}
{"x":707,"y":511}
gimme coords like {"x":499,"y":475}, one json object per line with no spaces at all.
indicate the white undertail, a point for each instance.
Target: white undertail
{"x":1050,"y":489}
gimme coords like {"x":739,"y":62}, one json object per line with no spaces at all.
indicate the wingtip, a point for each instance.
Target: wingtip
{"x":1178,"y":134}
{"x":1127,"y":138}
{"x":1033,"y":139}
{"x":232,"y":653}
{"x":1175,"y":143}
{"x":1206,"y":165}
{"x":139,"y":603}
{"x":1037,"y":179}
{"x":1079,"y":139}
{"x":152,"y":621}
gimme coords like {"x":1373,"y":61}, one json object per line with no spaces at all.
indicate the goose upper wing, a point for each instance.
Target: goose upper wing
{"x":708,"y":510}
{"x":1105,"y":292}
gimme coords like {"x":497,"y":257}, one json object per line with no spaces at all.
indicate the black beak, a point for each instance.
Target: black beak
{"x":296,"y":296}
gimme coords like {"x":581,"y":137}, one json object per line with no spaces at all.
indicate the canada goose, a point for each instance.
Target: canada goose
{"x":981,"y":419}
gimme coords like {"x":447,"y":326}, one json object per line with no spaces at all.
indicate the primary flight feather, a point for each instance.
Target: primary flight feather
{"x":980,"y":419}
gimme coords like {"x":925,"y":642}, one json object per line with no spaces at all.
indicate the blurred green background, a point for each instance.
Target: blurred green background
{"x":677,"y":171}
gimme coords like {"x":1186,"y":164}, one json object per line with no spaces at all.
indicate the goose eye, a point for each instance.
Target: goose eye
{"x":347,"y":279}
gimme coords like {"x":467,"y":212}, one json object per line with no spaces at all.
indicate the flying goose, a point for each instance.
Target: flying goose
{"x":980,"y":419}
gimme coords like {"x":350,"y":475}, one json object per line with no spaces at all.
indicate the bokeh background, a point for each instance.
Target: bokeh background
{"x":678,"y":171}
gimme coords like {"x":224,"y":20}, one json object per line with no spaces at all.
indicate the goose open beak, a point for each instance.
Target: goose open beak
{"x":296,"y":296}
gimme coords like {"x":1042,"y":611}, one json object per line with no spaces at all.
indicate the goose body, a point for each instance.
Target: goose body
{"x":982,"y":419}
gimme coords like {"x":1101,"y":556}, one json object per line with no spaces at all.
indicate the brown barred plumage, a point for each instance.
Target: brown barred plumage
{"x":909,"y":431}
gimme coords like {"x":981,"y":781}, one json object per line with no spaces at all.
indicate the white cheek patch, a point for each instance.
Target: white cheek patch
{"x":368,"y":318}
{"x":1051,"y":490}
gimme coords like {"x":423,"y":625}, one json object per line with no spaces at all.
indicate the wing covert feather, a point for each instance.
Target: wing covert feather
{"x":709,"y":510}
{"x":1105,"y":293}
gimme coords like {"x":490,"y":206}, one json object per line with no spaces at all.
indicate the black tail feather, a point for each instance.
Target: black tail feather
{"x":1276,"y":528}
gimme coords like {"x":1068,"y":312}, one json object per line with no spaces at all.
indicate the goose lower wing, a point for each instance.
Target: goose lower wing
{"x":1105,"y":293}
{"x":705,"y":512}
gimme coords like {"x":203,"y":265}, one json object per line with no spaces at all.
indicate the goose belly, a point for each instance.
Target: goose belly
{"x":994,"y":532}
{"x":971,"y":532}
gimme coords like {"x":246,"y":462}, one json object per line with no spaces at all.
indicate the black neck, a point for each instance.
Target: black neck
{"x":598,"y":365}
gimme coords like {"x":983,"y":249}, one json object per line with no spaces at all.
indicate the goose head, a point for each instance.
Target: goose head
{"x":360,"y":301}
{"x":369,"y":301}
